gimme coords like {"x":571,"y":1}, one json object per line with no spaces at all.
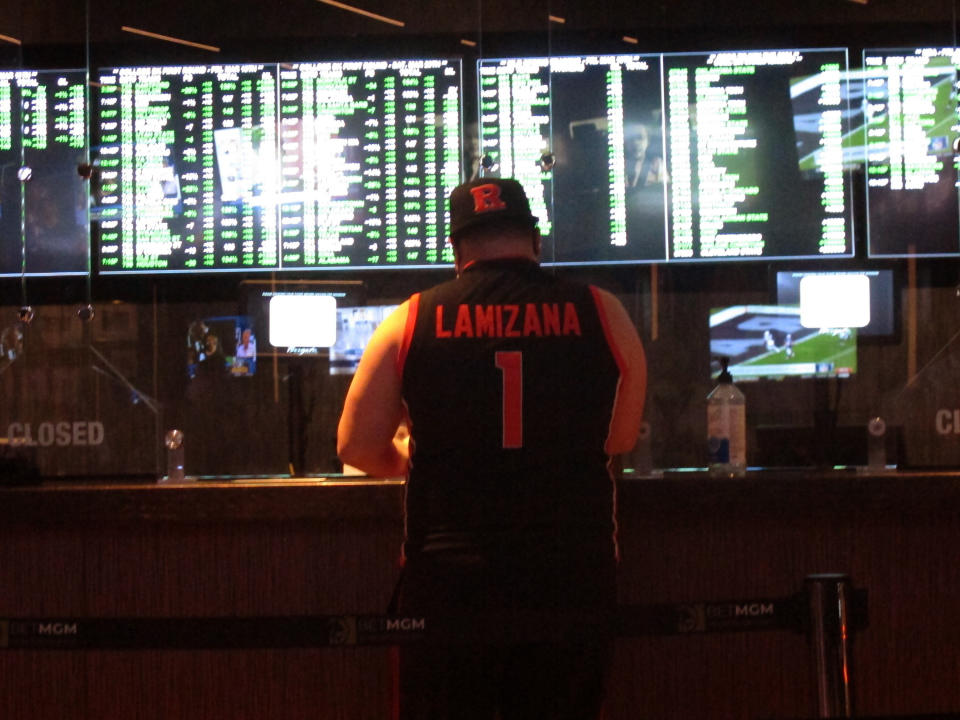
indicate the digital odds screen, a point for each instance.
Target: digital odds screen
{"x":677,"y":157}
{"x":911,"y":128}
{"x":44,"y":225}
{"x":277,"y":166}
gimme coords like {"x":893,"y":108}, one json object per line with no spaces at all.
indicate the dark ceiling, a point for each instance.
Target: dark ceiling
{"x":658,"y":25}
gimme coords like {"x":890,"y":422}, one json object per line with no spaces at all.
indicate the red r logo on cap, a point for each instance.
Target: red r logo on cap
{"x":487,"y":197}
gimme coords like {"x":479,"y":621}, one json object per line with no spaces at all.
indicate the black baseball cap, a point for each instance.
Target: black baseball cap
{"x":486,"y":200}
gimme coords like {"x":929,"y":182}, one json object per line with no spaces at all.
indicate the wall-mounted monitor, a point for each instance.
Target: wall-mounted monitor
{"x":860,"y":299}
{"x":298,"y":317}
{"x":770,"y":342}
{"x":44,"y":223}
{"x":912,"y":130}
{"x":676,"y":157}
{"x":285,"y":166}
{"x":355,"y":326}
{"x":314,"y":318}
{"x":301,"y":320}
{"x":220,"y":347}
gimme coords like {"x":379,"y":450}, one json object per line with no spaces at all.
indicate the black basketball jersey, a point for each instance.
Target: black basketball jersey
{"x":509,"y":379}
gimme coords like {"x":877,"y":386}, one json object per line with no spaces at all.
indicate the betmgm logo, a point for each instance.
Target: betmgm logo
{"x":377,"y":625}
{"x":342,"y":630}
{"x":350,"y":630}
{"x":57,"y":629}
{"x":52,"y":628}
{"x":691,"y":619}
{"x":382,"y":626}
{"x":699,"y":617}
{"x":32,"y":631}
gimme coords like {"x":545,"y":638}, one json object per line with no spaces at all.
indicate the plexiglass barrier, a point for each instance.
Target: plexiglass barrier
{"x":93,"y":394}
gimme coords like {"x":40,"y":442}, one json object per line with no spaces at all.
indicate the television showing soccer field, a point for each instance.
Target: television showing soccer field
{"x":771,"y":342}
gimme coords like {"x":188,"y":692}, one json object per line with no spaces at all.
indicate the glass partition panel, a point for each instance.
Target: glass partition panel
{"x":77,"y":392}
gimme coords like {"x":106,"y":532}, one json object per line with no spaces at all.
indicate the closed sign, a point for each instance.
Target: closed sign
{"x":62,"y":434}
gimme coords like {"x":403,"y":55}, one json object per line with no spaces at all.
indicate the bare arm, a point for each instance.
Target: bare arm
{"x":373,"y":409}
{"x":628,"y":408}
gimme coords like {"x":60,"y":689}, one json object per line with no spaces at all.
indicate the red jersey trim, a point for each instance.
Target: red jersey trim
{"x":607,"y":332}
{"x":413,"y":305}
{"x":621,"y":366}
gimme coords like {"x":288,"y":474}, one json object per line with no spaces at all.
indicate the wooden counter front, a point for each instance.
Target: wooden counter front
{"x":312,"y":547}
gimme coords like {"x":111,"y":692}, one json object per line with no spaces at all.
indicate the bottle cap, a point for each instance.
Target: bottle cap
{"x":725,"y":376}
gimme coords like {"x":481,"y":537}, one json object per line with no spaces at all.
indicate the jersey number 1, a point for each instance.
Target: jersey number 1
{"x":510,"y":364}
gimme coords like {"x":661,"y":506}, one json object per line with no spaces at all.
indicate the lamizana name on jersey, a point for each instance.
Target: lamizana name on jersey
{"x":508,"y":321}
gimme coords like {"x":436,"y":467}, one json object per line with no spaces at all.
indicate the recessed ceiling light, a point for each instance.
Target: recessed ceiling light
{"x":169,"y":38}
{"x":365,"y":13}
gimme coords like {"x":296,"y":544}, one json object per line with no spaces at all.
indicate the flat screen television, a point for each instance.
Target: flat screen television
{"x":44,"y":222}
{"x":288,"y":166}
{"x":912,"y":131}
{"x":861,"y":299}
{"x":314,"y":318}
{"x":222,"y":346}
{"x":677,"y":157}
{"x":296,"y":318}
{"x":355,"y":326}
{"x":770,"y":342}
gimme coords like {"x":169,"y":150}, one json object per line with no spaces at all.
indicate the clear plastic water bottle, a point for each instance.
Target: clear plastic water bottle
{"x":726,"y":427}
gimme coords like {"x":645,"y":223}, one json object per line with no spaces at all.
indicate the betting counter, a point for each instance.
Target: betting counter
{"x":294,"y":548}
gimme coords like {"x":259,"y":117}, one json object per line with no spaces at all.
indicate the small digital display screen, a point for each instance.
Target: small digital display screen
{"x":220,"y":347}
{"x":842,"y":296}
{"x":355,"y":326}
{"x":297,"y":320}
{"x":302,"y":320}
{"x":315,"y":319}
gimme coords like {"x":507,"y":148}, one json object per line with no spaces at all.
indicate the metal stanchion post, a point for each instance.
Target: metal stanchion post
{"x":828,"y":599}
